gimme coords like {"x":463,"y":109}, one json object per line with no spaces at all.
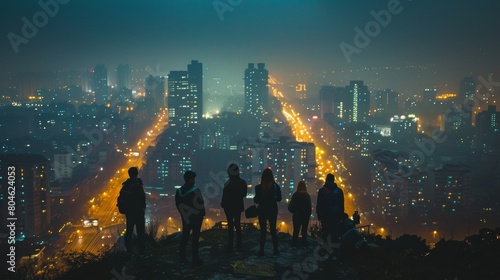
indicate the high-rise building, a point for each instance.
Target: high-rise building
{"x":465,"y":96}
{"x":350,"y":103}
{"x":256,"y":90}
{"x":123,"y":79}
{"x":290,"y":161}
{"x":63,"y":166}
{"x":488,"y":130}
{"x":195,"y":75}
{"x":386,"y":102}
{"x":399,"y":191}
{"x":467,"y":88}
{"x":404,"y":127}
{"x":185,"y":96}
{"x":454,"y":121}
{"x":453,"y":185}
{"x":360,"y":101}
{"x":336,"y":101}
{"x":31,"y":180}
{"x":356,"y":139}
{"x":101,"y":84}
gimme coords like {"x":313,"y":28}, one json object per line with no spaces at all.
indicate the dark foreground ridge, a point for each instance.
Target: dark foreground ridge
{"x":406,"y":257}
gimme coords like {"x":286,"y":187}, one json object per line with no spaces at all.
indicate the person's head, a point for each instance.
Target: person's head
{"x":133,"y":172}
{"x":267,"y":178}
{"x":189,"y":177}
{"x":301,"y":187}
{"x":233,"y":170}
{"x":330,"y":178}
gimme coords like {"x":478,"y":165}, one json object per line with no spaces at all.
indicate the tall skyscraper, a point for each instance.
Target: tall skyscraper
{"x":31,"y":179}
{"x":123,"y":76}
{"x":465,"y":96}
{"x":467,"y":88}
{"x":178,"y":99}
{"x":360,"y":101}
{"x":404,"y":127}
{"x":453,"y":185}
{"x":336,"y":101}
{"x":101,"y":84}
{"x":290,"y":161}
{"x":488,"y":130}
{"x":386,"y":102}
{"x":256,"y":90}
{"x":350,"y":103}
{"x":185,"y":95}
{"x":195,"y":75}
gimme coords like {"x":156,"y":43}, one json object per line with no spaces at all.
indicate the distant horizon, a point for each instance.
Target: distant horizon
{"x":450,"y":39}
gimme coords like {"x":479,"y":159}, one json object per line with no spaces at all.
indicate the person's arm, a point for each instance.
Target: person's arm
{"x":143,"y":197}
{"x":177,"y":199}
{"x":291,"y":205}
{"x":244,"y":189}
{"x":308,"y":204}
{"x":319,"y":204}
{"x":257,"y":198}
{"x":201,"y":202}
{"x":278,"y":192}
{"x":224,"y":194}
{"x":342,"y":200}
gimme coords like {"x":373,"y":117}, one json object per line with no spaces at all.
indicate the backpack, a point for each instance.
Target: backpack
{"x":123,"y":201}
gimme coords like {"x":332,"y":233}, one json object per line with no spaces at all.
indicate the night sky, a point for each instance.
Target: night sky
{"x":429,"y":43}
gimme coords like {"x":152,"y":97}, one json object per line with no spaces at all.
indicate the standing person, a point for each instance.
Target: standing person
{"x":189,"y":202}
{"x":267,"y":194}
{"x":235,"y":190}
{"x":133,"y":199}
{"x":300,"y":206}
{"x":330,"y":208}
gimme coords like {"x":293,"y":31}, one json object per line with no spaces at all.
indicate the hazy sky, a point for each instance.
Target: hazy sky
{"x":451,"y":38}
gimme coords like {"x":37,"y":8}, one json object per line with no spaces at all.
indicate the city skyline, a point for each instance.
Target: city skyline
{"x":398,"y":99}
{"x":423,"y":44}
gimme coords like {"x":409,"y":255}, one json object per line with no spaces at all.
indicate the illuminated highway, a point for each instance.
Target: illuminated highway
{"x":326,"y":161}
{"x":103,"y":205}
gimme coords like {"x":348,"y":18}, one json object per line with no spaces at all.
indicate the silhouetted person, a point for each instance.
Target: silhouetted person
{"x":133,"y":190}
{"x":350,"y":238}
{"x":235,"y":190}
{"x":330,"y":208}
{"x":189,"y":202}
{"x":300,"y":206}
{"x":356,"y":218}
{"x":267,"y":194}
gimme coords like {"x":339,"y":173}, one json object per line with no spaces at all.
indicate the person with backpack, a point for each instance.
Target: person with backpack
{"x":267,"y":194}
{"x":235,"y":190}
{"x":189,"y":202}
{"x":300,"y":206}
{"x":330,"y":208}
{"x":132,"y":203}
